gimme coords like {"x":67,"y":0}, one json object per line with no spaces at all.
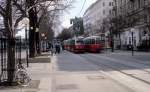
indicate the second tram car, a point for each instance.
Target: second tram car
{"x":93,"y":44}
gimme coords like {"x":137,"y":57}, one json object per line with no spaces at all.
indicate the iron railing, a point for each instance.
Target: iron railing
{"x":4,"y":58}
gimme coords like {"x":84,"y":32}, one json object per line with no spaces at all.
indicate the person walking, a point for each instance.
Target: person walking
{"x":57,"y":47}
{"x":62,"y":46}
{"x":51,"y":48}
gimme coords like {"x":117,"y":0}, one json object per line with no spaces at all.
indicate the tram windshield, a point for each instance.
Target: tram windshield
{"x":79,"y":42}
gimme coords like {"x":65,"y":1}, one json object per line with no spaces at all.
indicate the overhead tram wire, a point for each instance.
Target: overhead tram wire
{"x":82,"y":7}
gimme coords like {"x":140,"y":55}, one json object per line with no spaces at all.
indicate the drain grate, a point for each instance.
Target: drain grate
{"x":96,"y":77}
{"x":67,"y":87}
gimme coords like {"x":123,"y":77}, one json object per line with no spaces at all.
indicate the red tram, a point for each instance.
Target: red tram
{"x":75,"y":45}
{"x":93,"y":44}
{"x":66,"y":44}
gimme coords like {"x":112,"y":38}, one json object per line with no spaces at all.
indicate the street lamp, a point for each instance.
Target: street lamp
{"x":26,"y":22}
{"x":43,"y":35}
{"x":37,"y":40}
{"x":147,"y":43}
{"x":132,"y":34}
{"x":37,"y":29}
{"x":111,"y":29}
{"x":43,"y":39}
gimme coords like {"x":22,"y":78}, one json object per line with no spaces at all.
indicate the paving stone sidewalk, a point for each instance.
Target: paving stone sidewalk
{"x":40,"y":72}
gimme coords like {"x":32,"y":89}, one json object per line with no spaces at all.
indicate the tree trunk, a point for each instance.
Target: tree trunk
{"x":32,"y":50}
{"x":10,"y":43}
{"x":11,"y":59}
{"x":32,"y":42}
{"x":10,"y":52}
{"x":38,"y":43}
{"x":37,"y":34}
{"x":32,"y":33}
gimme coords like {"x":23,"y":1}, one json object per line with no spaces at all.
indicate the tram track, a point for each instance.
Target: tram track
{"x":146,"y":63}
{"x":122,"y":63}
{"x":103,"y":66}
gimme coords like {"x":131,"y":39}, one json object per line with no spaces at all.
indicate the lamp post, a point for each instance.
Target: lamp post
{"x":111,"y":35}
{"x":147,"y":38}
{"x":132,"y":34}
{"x":45,"y":43}
{"x":26,"y":22}
{"x":43,"y":37}
{"x":37,"y":41}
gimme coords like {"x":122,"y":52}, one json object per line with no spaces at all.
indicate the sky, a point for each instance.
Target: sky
{"x":71,"y":13}
{"x":75,"y":11}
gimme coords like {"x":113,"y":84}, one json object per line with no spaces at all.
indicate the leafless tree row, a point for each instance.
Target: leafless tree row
{"x":13,"y":11}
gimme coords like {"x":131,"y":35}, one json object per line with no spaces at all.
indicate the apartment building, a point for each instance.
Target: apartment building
{"x":133,"y":16}
{"x":95,"y":15}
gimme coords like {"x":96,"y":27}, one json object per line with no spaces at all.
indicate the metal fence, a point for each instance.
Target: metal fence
{"x":4,"y":59}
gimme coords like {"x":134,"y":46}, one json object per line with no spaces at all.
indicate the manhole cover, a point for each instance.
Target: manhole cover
{"x":67,"y":87}
{"x":95,"y":77}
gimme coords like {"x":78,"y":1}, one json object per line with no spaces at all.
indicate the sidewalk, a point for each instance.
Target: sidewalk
{"x":40,"y":72}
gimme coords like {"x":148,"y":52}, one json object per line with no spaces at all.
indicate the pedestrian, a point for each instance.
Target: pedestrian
{"x":57,"y":47}
{"x":62,"y":45}
{"x":50,"y":48}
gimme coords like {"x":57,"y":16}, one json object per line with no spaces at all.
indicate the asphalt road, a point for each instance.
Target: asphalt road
{"x":91,"y":72}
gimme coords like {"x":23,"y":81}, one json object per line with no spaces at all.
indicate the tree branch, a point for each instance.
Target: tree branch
{"x":18,"y":20}
{"x":2,"y":11}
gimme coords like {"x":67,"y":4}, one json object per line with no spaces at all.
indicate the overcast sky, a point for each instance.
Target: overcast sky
{"x":76,"y":11}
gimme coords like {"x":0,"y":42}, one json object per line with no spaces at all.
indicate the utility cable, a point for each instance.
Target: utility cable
{"x":82,"y":7}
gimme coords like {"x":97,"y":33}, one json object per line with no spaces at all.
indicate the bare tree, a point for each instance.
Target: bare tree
{"x":36,"y":14}
{"x":7,"y":11}
{"x":13,"y":11}
{"x":65,"y":34}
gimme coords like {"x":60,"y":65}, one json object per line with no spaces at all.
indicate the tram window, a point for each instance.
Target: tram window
{"x":85,"y":42}
{"x":79,"y":42}
{"x":72,"y":42}
{"x":97,"y":40}
{"x":92,"y":41}
{"x":88,"y":41}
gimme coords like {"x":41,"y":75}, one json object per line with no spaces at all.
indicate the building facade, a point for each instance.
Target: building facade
{"x":133,"y":16}
{"x":94,"y":16}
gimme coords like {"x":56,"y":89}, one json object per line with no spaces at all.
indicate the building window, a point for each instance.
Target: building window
{"x":110,"y":12}
{"x":139,"y":3}
{"x":112,"y":4}
{"x":103,"y":12}
{"x":109,"y":3}
{"x":103,"y":3}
